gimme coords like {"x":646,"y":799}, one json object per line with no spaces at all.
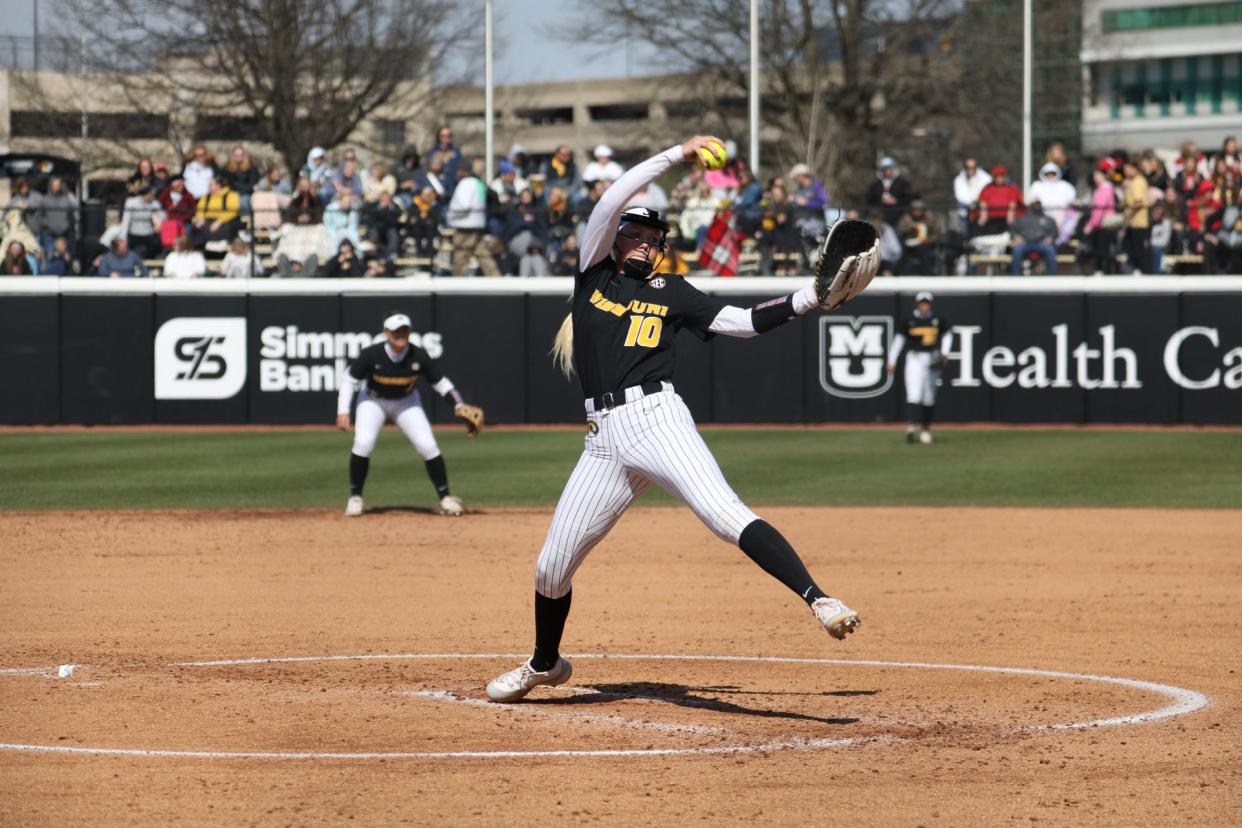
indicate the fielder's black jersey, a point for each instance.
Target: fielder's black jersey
{"x":393,"y":380}
{"x":924,"y":333}
{"x":624,"y":328}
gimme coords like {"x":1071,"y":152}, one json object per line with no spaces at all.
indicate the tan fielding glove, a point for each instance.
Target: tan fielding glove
{"x":473,"y":417}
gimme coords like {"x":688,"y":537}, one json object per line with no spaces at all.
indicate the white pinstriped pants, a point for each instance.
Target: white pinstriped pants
{"x":649,"y":440}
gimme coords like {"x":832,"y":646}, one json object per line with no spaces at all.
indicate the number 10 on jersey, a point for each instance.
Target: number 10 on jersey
{"x":644,"y":331}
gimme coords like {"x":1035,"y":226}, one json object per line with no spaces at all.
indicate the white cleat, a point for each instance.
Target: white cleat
{"x":515,"y":684}
{"x":925,"y":438}
{"x":450,"y":505}
{"x":838,"y":619}
{"x":353,"y":506}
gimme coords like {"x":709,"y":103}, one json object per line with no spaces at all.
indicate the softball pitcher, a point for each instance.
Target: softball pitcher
{"x":620,"y":337}
{"x":927,"y":339}
{"x":387,"y":373}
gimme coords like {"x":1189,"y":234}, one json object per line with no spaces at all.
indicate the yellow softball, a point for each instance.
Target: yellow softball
{"x":713,"y":156}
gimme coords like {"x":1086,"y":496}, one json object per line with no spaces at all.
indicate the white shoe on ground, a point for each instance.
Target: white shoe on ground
{"x":925,"y":437}
{"x":353,"y":506}
{"x":515,"y":684}
{"x":838,"y":619}
{"x":450,"y":505}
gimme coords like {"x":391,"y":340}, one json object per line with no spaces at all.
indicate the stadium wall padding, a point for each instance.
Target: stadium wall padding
{"x":221,"y":358}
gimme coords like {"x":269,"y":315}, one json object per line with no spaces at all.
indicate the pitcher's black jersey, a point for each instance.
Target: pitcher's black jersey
{"x":924,"y":333}
{"x":393,"y":380}
{"x":624,"y":328}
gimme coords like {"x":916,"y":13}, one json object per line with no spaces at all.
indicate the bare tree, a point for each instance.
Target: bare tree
{"x":292,"y":73}
{"x":838,"y":77}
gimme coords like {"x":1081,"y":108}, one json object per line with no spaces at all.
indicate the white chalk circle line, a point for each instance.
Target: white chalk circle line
{"x":1182,"y":702}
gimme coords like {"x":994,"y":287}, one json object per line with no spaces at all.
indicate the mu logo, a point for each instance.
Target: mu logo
{"x":853,"y":351}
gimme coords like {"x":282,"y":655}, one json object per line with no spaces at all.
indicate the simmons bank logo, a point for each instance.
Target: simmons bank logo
{"x":291,"y":359}
{"x":853,"y":352}
{"x":200,"y":358}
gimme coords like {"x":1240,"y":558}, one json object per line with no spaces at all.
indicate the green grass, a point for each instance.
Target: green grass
{"x":224,"y":470}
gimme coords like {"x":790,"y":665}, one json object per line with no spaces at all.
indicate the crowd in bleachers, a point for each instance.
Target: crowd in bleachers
{"x":1139,"y":214}
{"x":432,"y":213}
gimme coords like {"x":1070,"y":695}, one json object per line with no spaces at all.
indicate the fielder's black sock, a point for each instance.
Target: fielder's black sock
{"x":914,"y":413}
{"x":928,"y":410}
{"x":438,"y":474}
{"x":768,"y":548}
{"x":358,"y":473}
{"x":550,"y":615}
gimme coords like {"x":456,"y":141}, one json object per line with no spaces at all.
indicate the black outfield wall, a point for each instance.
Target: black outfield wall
{"x":234,"y":358}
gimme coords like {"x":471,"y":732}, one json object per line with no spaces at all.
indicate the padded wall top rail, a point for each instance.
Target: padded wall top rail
{"x":750,"y":285}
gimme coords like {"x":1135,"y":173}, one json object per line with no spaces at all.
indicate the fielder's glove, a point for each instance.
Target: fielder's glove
{"x":939,"y":361}
{"x":473,"y":417}
{"x":848,"y":262}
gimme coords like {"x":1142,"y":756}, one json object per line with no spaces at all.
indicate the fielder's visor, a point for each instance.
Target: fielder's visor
{"x":397,"y":320}
{"x":924,"y":296}
{"x":644,"y":215}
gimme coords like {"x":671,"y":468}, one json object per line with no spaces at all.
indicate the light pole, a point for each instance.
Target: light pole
{"x":754,"y":88}
{"x":489,"y":114}
{"x":1026,"y":95}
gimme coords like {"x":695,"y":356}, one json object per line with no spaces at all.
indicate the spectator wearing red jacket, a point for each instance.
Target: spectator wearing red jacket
{"x":179,"y":207}
{"x":999,"y":204}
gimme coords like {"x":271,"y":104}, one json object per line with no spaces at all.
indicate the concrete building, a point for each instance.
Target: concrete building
{"x":43,"y":112}
{"x":633,"y":116}
{"x":1160,"y":73}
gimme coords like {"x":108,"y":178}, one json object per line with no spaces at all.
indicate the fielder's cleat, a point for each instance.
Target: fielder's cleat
{"x":838,"y":619}
{"x":515,"y":684}
{"x":925,"y":438}
{"x":353,"y":506}
{"x":910,"y":438}
{"x":450,"y":505}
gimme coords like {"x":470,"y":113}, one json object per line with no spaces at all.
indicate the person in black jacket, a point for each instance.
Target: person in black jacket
{"x":526,"y":223}
{"x":242,"y":175}
{"x":346,"y":264}
{"x":384,"y":219}
{"x":890,"y":193}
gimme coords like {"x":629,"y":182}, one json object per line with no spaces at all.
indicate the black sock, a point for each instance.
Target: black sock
{"x":438,"y":474}
{"x":358,"y":473}
{"x":928,"y":410}
{"x":550,"y":615}
{"x":768,"y":548}
{"x":913,"y":413}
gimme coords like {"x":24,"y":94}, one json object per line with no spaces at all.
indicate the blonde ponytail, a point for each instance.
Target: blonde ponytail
{"x":563,"y":347}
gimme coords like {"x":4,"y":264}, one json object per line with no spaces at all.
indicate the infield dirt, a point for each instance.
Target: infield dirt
{"x":1142,"y":594}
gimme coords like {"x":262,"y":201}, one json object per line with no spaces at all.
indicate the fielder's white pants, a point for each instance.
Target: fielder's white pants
{"x":627,"y":448}
{"x":921,"y":379}
{"x":406,"y":412}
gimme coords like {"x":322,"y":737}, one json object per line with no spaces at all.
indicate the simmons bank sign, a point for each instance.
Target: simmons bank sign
{"x":853,"y":357}
{"x":206,"y":358}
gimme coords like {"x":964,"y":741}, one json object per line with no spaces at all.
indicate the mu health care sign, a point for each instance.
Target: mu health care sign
{"x":854,"y":354}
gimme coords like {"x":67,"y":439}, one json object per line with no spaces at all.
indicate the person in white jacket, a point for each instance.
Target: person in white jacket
{"x":240,"y":262}
{"x":603,"y":167}
{"x":1056,"y":196}
{"x":969,"y":183}
{"x":467,"y":215}
{"x":184,"y":262}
